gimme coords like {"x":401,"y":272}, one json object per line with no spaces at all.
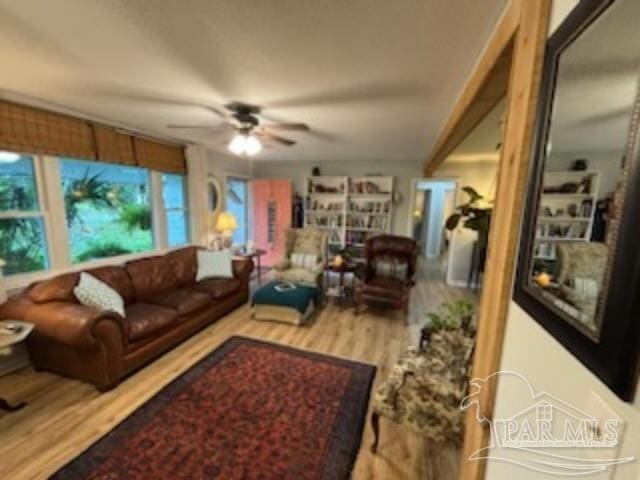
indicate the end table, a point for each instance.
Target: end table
{"x":13,"y":353}
{"x":343,"y":293}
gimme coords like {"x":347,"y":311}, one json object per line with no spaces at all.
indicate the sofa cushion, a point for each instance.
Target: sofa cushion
{"x":184,"y":264}
{"x":56,"y":289}
{"x":143,"y":319}
{"x":218,"y":287}
{"x":151,"y":276}
{"x":116,"y":278}
{"x":385,"y":287}
{"x":184,"y":301}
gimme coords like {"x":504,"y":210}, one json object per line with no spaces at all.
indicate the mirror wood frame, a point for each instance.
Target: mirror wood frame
{"x":614,"y":358}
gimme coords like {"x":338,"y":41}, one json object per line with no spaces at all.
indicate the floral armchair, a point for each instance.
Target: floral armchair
{"x":426,"y":387}
{"x":305,"y":256}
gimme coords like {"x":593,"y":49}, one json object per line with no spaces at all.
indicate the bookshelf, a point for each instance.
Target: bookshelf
{"x":351,"y":208}
{"x":566,"y":211}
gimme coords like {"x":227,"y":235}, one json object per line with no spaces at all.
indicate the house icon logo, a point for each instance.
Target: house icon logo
{"x":544,"y":435}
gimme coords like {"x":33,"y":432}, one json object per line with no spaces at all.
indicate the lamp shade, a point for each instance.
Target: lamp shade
{"x":226,"y":222}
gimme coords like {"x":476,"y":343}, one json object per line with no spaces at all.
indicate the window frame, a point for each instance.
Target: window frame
{"x":185,"y":209}
{"x":42,"y":213}
{"x":51,"y":209}
{"x":248,"y":205}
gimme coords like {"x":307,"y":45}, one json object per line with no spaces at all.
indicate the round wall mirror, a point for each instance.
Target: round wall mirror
{"x":214,"y":192}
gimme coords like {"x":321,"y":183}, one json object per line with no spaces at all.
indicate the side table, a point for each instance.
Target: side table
{"x":13,"y":353}
{"x":343,"y":292}
{"x":251,"y":254}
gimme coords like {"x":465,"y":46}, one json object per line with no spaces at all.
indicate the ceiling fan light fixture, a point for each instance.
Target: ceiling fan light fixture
{"x":238,"y":144}
{"x":245,"y":144}
{"x":252,"y":146}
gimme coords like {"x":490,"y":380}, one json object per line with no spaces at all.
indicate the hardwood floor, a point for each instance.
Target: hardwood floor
{"x":63,"y":417}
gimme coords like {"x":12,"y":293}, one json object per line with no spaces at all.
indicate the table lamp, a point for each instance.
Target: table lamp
{"x":226,"y":224}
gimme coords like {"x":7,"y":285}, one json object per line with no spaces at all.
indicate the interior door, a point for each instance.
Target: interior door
{"x":272,"y":203}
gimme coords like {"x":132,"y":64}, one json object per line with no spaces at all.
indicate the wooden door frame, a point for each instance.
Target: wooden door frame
{"x":511,"y":66}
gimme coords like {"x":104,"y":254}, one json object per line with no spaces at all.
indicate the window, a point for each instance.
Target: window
{"x":237,"y":201}
{"x":107,"y":209}
{"x":174,"y":198}
{"x":22,"y":234}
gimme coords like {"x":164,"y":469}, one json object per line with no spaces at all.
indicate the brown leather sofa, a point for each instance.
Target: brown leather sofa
{"x":163,"y":304}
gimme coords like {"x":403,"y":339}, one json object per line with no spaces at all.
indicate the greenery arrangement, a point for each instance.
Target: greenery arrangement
{"x":453,"y":315}
{"x":102,"y":250}
{"x":86,"y":189}
{"x":136,"y":216}
{"x":476,"y":216}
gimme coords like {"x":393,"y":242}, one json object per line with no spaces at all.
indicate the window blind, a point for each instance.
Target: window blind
{"x":26,"y":129}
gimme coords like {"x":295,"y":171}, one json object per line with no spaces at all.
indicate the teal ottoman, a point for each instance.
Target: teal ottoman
{"x":292,"y":306}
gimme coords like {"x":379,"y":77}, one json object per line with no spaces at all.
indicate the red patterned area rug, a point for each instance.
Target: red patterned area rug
{"x":249,"y":410}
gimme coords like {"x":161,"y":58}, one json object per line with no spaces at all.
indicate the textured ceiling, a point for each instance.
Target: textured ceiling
{"x":375,"y":79}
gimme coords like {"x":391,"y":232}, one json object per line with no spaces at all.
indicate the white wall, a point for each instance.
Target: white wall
{"x":531,"y":351}
{"x":202,"y":163}
{"x":404,"y":173}
{"x":481,"y":175}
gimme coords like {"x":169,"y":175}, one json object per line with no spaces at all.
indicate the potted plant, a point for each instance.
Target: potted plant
{"x":453,"y":315}
{"x":476,"y":216}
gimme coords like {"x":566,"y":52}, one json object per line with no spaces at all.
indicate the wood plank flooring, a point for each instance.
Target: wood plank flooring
{"x":64,"y":416}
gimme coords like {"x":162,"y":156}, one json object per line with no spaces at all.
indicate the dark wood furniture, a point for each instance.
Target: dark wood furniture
{"x":251,"y":255}
{"x":344,"y":292}
{"x":389,"y":272}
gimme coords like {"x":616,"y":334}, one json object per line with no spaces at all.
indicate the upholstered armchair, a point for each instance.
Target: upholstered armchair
{"x":580,"y":269}
{"x":389,"y":272}
{"x":425,"y":388}
{"x":305,"y":256}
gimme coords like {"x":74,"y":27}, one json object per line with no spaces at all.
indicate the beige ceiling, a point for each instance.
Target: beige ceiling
{"x":481,"y":144}
{"x":375,"y":79}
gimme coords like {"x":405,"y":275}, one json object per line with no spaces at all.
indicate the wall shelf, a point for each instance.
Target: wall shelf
{"x":362,"y":206}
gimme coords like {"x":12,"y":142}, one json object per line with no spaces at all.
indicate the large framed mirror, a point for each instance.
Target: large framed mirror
{"x":579,"y":260}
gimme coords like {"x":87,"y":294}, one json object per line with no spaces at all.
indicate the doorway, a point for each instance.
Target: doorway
{"x":433,"y":201}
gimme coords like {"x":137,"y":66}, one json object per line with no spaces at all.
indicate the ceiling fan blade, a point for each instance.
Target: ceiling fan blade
{"x":276,"y":138}
{"x":217,"y":111}
{"x":301,"y":127}
{"x":211,"y":128}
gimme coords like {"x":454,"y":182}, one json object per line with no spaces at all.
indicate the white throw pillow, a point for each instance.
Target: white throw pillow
{"x":91,"y":292}
{"x":304,"y":260}
{"x":214,"y":264}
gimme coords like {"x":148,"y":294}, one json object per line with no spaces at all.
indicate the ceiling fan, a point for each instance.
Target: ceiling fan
{"x":244,"y":118}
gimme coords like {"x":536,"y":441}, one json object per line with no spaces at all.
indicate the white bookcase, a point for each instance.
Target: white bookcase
{"x":351,"y":208}
{"x":565,"y":215}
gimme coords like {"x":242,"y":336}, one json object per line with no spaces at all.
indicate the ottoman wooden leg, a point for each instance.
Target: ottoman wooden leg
{"x":375,"y":424}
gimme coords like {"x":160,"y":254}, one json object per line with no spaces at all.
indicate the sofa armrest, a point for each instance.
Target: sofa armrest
{"x":242,"y":268}
{"x":284,"y":264}
{"x":318,"y":269}
{"x":72,"y":324}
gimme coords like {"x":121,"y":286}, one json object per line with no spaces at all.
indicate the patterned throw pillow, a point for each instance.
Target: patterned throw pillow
{"x":214,"y":264}
{"x":91,"y":292}
{"x":392,"y":269}
{"x":304,"y":260}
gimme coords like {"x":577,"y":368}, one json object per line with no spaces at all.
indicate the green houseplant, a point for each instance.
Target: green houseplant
{"x":475,"y":215}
